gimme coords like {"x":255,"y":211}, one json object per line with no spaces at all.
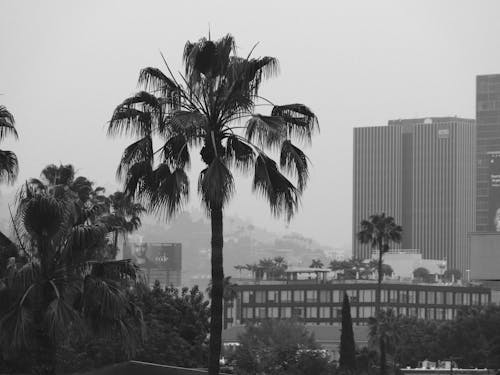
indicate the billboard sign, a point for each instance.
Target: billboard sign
{"x":159,"y":261}
{"x":494,"y":196}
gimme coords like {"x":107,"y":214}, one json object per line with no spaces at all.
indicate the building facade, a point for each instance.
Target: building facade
{"x":488,"y":153}
{"x":320,"y":303}
{"x":421,"y":172}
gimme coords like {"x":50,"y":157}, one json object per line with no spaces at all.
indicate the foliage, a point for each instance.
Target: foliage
{"x":270,"y":268}
{"x":472,"y":337}
{"x":9,"y":166}
{"x":316,"y":263}
{"x":347,"y":345}
{"x":452,"y":275}
{"x":229,"y":288}
{"x":354,"y":267}
{"x":422,"y":273}
{"x":207,"y":107}
{"x":55,"y":282}
{"x":279,"y":347}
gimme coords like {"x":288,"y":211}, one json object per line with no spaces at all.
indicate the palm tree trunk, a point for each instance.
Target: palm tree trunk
{"x":217,"y":291}
{"x":44,"y":355}
{"x":377,"y":309}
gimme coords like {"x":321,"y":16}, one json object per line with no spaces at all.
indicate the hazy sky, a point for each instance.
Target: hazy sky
{"x":65,"y":65}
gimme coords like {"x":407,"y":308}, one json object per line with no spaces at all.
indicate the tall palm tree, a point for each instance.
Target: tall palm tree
{"x":9,"y":166}
{"x":316,"y":263}
{"x":379,"y":231}
{"x":57,"y":285}
{"x":212,"y":106}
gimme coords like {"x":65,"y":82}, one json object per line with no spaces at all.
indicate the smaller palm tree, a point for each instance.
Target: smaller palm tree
{"x":9,"y":166}
{"x":317,"y":263}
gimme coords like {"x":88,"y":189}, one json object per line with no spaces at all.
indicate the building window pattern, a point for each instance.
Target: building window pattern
{"x":324,"y":306}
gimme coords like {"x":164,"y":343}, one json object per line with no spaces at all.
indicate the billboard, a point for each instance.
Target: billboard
{"x":158,"y":261}
{"x":494,"y":196}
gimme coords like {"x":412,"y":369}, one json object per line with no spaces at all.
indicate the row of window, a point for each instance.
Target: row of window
{"x":392,"y":296}
{"x":361,"y":312}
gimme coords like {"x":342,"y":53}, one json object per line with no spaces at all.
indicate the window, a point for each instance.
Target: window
{"x":449,"y":314}
{"x":298,"y":312}
{"x":312,"y":312}
{"x":421,"y":313}
{"x":412,"y":311}
{"x":337,"y":313}
{"x":383,"y":295}
{"x":466,"y":300}
{"x":286,"y":296}
{"x":311,"y":296}
{"x":449,"y":298}
{"x":366,"y":311}
{"x":272,"y":296}
{"x":458,"y":299}
{"x":354,"y":312}
{"x":324,"y":312}
{"x":229,"y":312}
{"x":353,"y":295}
{"x":439,"y":298}
{"x":336,"y":296}
{"x":485,"y":299}
{"x":475,"y":298}
{"x":325,"y":296}
{"x":439,"y":314}
{"x":367,"y":295}
{"x":431,"y":298}
{"x":260,"y":313}
{"x":421,"y":297}
{"x":247,"y":313}
{"x":298,"y":296}
{"x":260,"y":296}
{"x":272,"y":312}
{"x":403,"y":311}
{"x":412,"y":296}
{"x":403,"y":296}
{"x":286,"y":312}
{"x":246,"y":296}
{"x":393,"y":296}
{"x":429,"y":314}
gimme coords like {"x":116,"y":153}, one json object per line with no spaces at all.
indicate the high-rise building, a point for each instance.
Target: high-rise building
{"x":488,"y":153}
{"x":421,"y":172}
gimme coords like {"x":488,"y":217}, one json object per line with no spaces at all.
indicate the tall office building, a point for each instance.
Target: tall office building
{"x":488,"y":153}
{"x":421,"y":172}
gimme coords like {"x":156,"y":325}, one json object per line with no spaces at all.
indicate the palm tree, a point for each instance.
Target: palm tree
{"x":316,"y":263}
{"x":57,"y":285}
{"x":212,"y":106}
{"x":125,"y":215}
{"x":380,"y":231}
{"x":9,"y":166}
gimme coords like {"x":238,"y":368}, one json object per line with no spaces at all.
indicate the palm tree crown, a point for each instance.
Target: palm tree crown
{"x":212,"y":106}
{"x":9,"y":166}
{"x":379,"y":231}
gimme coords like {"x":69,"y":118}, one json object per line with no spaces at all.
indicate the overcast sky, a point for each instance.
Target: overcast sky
{"x":65,"y":65}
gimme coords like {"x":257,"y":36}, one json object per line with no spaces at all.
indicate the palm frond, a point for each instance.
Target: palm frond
{"x":215,"y":184}
{"x":239,"y":154}
{"x":85,"y":236}
{"x":130,"y":121}
{"x":7,"y":123}
{"x":300,"y":121}
{"x":58,"y":316}
{"x":138,"y":179}
{"x":17,"y":327}
{"x":168,"y":191}
{"x":268,"y":131}
{"x":175,"y":152}
{"x":294,"y":161}
{"x":9,"y":166}
{"x":191,"y":124}
{"x":154,"y":79}
{"x":282,"y":195}
{"x":139,"y":151}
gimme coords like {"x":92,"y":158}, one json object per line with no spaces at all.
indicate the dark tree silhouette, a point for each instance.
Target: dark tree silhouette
{"x":347,"y":345}
{"x":316,"y":263}
{"x":380,"y":231}
{"x":9,"y":166}
{"x":212,"y":106}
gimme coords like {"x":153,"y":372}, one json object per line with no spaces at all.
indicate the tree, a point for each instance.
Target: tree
{"x":276,"y":347}
{"x":229,"y":289}
{"x":452,"y":275}
{"x":217,"y":91}
{"x":9,"y":166}
{"x":347,"y":345}
{"x":380,"y":231}
{"x":57,"y":285}
{"x":421,"y":273}
{"x":317,"y":263}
